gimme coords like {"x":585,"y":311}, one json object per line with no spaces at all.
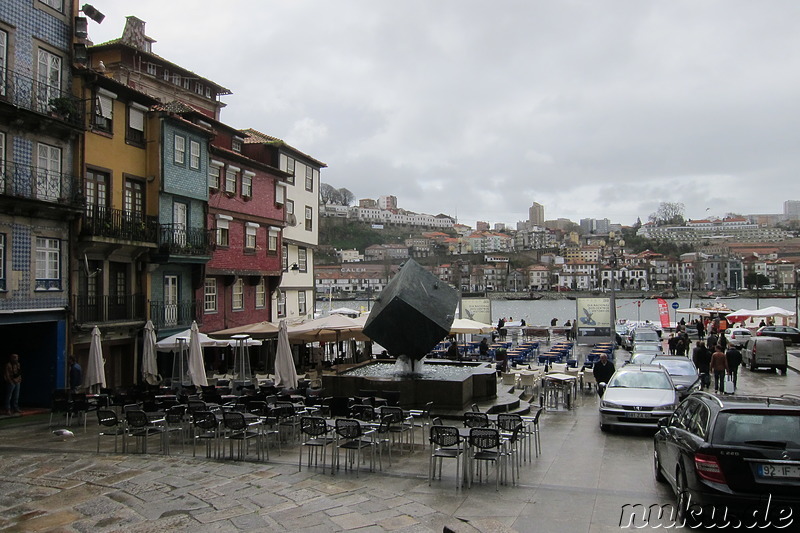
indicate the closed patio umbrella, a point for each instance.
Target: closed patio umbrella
{"x":285,"y":372}
{"x":149,"y":365}
{"x":197,"y":371}
{"x":95,"y":370}
{"x":466,"y":326}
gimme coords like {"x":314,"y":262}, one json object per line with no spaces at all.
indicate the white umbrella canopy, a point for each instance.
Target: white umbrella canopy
{"x":171,"y":343}
{"x":693,"y":311}
{"x":771,"y":311}
{"x":95,"y":370}
{"x":466,"y":326}
{"x":331,"y":328}
{"x":285,"y":372}
{"x":149,"y":365}
{"x":197,"y":371}
{"x":344,"y":311}
{"x":258,"y":330}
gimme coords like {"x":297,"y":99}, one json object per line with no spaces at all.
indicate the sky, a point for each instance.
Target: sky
{"x":477,"y":109}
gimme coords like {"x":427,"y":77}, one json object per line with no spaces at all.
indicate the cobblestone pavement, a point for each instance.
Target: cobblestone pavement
{"x":580,"y":483}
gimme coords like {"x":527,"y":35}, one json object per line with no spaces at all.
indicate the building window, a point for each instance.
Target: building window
{"x":309,"y":218}
{"x":210,"y":295}
{"x":48,"y":262}
{"x":272,"y":242}
{"x":3,"y":61}
{"x":247,"y":184}
{"x":230,"y":179}
{"x":280,"y":194}
{"x":309,"y":179}
{"x":208,"y":92}
{"x":236,"y":145}
{"x":187,"y":83}
{"x":48,"y":174}
{"x":301,"y":302}
{"x":222,"y":232}
{"x":238,"y":295}
{"x":58,"y":5}
{"x":102,"y":119}
{"x":289,"y":209}
{"x":198,"y":88}
{"x":176,"y":79}
{"x":165,"y":75}
{"x":2,"y":159}
{"x":282,"y":304}
{"x":250,"y":236}
{"x":290,"y":169}
{"x":285,"y":257}
{"x":214,"y":170}
{"x":194,"y":154}
{"x":151,"y":69}
{"x":2,"y":261}
{"x":95,"y":190}
{"x":48,"y":76}
{"x":261,"y":294}
{"x":135,"y":133}
{"x":180,"y":150}
{"x":302,"y":259}
{"x":133,"y":199}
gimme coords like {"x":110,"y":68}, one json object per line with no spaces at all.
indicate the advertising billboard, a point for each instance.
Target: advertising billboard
{"x":594,"y":320}
{"x":479,"y":309}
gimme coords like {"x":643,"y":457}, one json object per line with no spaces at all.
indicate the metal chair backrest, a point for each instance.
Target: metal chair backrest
{"x":476,"y":420}
{"x":484,"y":438}
{"x":395,"y":412}
{"x":313,"y":426}
{"x":437,"y":421}
{"x":175,"y":414}
{"x":508,"y":421}
{"x":348,"y":428}
{"x":233,"y":420}
{"x":475,"y":408}
{"x":363,"y":412}
{"x":136,"y":418}
{"x":445,"y":436}
{"x":107,"y":418}
{"x":205,"y":420}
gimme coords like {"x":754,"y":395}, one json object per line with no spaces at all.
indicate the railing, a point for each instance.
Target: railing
{"x":27,"y":181}
{"x":177,"y":239}
{"x":29,"y":93}
{"x":173,"y":314}
{"x":102,"y":221}
{"x":90,"y":309}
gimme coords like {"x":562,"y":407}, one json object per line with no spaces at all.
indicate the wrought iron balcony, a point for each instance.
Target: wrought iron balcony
{"x":102,"y":221}
{"x":35,"y":95}
{"x":179,"y":240}
{"x":117,"y":308}
{"x":34,"y":183}
{"x":174,"y":314}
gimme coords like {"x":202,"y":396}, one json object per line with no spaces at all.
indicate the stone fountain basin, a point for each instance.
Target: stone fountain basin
{"x":449,"y":385}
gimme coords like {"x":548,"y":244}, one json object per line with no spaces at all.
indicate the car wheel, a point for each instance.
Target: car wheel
{"x":604,"y":427}
{"x":752,"y":366}
{"x":684,"y":516}
{"x":783,"y":370}
{"x":659,"y":475}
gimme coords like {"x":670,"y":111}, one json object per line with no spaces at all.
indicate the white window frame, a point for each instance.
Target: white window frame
{"x":194,"y":154}
{"x":290,"y":165}
{"x":236,"y":144}
{"x":210,"y":295}
{"x":302,"y":258}
{"x":48,"y":178}
{"x":301,"y":303}
{"x":309,"y":217}
{"x":230,"y":179}
{"x":179,"y":157}
{"x":309,"y":179}
{"x":250,"y":233}
{"x":272,"y":240}
{"x":261,"y":294}
{"x":215,"y":174}
{"x":3,"y":60}
{"x":281,"y":301}
{"x":2,"y":261}
{"x":151,"y":69}
{"x":58,"y":5}
{"x":285,"y":257}
{"x":237,"y":295}
{"x":223,"y":230}
{"x":48,"y":263}
{"x":247,"y":183}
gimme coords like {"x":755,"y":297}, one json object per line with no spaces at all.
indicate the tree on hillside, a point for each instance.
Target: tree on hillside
{"x":668,"y":213}
{"x":328,"y":195}
{"x":346,"y":197}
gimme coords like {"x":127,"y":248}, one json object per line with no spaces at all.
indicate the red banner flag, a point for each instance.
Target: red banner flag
{"x":663,"y":312}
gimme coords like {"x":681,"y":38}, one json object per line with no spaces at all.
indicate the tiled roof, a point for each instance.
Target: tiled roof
{"x":256,"y":137}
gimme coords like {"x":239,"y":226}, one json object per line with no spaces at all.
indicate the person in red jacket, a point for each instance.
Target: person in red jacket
{"x":719,"y":366}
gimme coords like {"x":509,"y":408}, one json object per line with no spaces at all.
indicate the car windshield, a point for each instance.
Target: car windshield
{"x":766,"y":429}
{"x":640,"y":380}
{"x":676,"y":367}
{"x":642,"y":358}
{"x":647,"y":347}
{"x":646,"y":335}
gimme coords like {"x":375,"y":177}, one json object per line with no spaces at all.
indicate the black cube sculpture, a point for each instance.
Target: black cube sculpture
{"x":413,"y":313}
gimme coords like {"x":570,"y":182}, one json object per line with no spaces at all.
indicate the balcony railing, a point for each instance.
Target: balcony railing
{"x":27,"y":181}
{"x":29,"y":93}
{"x":173,"y":314}
{"x":102,"y":221}
{"x":177,"y":239}
{"x":121,"y":307}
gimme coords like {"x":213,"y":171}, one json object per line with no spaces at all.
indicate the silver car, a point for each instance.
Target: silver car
{"x":637,"y":396}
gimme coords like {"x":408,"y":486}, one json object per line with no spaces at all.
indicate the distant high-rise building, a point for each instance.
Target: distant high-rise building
{"x":791,"y":209}
{"x":480,"y":225}
{"x":387,"y":202}
{"x":536,"y":214}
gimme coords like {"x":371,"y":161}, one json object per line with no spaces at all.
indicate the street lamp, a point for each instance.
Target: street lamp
{"x":613,"y":245}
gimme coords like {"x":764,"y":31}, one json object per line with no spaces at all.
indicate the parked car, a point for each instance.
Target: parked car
{"x":737,"y":336}
{"x":769,"y":352}
{"x":684,"y":374}
{"x":637,"y":396}
{"x":646,"y":346}
{"x":642,"y":358}
{"x":734,"y":453}
{"x":788,"y":334}
{"x":645,"y":335}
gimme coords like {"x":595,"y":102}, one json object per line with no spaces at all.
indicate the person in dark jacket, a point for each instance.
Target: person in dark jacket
{"x":701,"y":357}
{"x":719,"y":366}
{"x":734,"y":357}
{"x":603,"y":370}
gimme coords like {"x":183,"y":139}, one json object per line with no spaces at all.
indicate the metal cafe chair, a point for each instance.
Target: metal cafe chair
{"x":238,"y":430}
{"x":476,"y":420}
{"x":351,"y":437}
{"x":446,"y":443}
{"x":205,"y":428}
{"x":141,"y":427}
{"x":109,"y":425}
{"x":315,"y":435}
{"x":485,"y":446}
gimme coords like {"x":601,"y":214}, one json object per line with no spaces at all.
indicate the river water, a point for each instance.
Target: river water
{"x":540,"y":312}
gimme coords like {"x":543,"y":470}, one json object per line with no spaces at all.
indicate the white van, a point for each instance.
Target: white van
{"x":769,"y":352}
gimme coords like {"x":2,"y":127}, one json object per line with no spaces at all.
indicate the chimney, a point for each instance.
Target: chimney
{"x":133,"y":34}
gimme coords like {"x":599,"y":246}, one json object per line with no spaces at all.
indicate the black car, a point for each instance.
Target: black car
{"x":682,"y":371}
{"x":787,"y":333}
{"x":732,"y":458}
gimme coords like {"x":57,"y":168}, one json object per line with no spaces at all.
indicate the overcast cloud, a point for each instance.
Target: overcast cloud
{"x":598,"y":109}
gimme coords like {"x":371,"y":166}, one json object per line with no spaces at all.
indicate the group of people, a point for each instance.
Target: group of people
{"x":718,"y":364}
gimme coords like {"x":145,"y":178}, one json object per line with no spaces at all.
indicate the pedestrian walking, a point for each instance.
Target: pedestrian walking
{"x":719,"y":365}
{"x":13,"y":377}
{"x":734,"y":359}
{"x":701,"y":357}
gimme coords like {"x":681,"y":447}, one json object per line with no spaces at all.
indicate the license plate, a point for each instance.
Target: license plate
{"x":779,"y":471}
{"x":636,"y":415}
